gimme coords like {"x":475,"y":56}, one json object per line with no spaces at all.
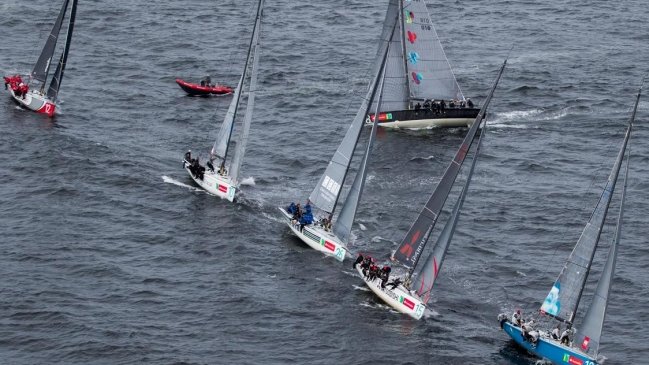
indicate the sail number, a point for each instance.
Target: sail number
{"x":339,"y":253}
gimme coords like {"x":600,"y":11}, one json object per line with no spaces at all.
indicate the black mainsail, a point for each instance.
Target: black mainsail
{"x":412,"y":245}
{"x":42,"y":67}
{"x":55,"y":84}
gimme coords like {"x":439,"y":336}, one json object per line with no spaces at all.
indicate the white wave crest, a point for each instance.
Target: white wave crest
{"x":169,"y":180}
{"x":250,"y":181}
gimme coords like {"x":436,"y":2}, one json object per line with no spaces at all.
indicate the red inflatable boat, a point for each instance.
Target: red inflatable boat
{"x":197,"y":89}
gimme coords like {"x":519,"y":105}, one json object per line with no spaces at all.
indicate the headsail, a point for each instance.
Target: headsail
{"x":395,"y":83}
{"x":42,"y":66}
{"x":326,"y":192}
{"x":590,"y":332}
{"x":564,"y":297}
{"x":55,"y":84}
{"x":425,"y":279}
{"x":220,"y":148}
{"x":429,"y":72}
{"x":343,"y":226}
{"x":245,"y":129}
{"x":413,"y":243}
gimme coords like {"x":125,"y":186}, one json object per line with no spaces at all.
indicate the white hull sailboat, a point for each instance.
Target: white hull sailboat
{"x":580,"y":344}
{"x":30,"y":93}
{"x":213,"y":183}
{"x":421,"y":89}
{"x":411,"y":293}
{"x":221,"y":181}
{"x":317,"y":237}
{"x":399,"y":297}
{"x":326,"y":193}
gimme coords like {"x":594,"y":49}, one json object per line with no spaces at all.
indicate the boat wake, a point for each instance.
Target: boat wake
{"x":169,"y":180}
{"x":361,"y":288}
{"x":250,"y":181}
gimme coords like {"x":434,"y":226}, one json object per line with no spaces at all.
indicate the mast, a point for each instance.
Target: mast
{"x":561,"y":301}
{"x":222,"y":143}
{"x":327,"y":191}
{"x":403,"y":50}
{"x":250,"y":106}
{"x":42,"y":67}
{"x":428,"y":273}
{"x":409,"y":251}
{"x":343,"y":226}
{"x":589,"y":335}
{"x":55,"y":84}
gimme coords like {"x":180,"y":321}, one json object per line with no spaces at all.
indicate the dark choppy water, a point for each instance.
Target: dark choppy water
{"x":109,"y":256}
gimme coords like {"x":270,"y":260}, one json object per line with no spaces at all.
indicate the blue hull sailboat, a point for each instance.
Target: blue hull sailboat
{"x":577,"y":345}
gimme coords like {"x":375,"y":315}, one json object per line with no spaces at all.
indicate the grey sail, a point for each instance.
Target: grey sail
{"x":222,"y":143}
{"x":395,"y":83}
{"x":55,"y":84}
{"x":429,"y":72}
{"x":327,"y":190}
{"x":413,"y":243}
{"x":590,"y":331}
{"x":42,"y":67}
{"x":564,"y":296}
{"x":237,"y":159}
{"x":343,"y":226}
{"x":425,"y":279}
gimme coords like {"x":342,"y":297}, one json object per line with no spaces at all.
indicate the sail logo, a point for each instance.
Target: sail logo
{"x":409,"y":16}
{"x":584,"y":344}
{"x":406,"y":250}
{"x":551,"y":304}
{"x":412,"y":37}
{"x":417,"y":77}
{"x":331,"y":185}
{"x":413,"y":57}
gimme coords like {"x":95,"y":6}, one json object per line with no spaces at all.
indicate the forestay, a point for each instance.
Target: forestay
{"x":343,"y":227}
{"x":411,"y":246}
{"x":429,"y":72}
{"x":55,"y":84}
{"x":590,"y":332}
{"x":250,"y":105}
{"x":427,"y":275}
{"x":395,"y":83}
{"x":327,"y":190}
{"x":42,"y":66}
{"x":564,"y":297}
{"x":220,"y":148}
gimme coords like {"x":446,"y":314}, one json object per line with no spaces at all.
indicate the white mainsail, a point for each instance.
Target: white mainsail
{"x":429,"y":73}
{"x":222,"y":143}
{"x":250,"y":106}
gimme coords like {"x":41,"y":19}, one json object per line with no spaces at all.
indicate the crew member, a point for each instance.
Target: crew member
{"x":359,"y":260}
{"x":516,"y":318}
{"x":556,"y":331}
{"x":565,"y":337}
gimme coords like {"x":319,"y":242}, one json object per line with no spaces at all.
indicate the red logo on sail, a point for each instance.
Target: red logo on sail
{"x":408,"y":303}
{"x":223,"y":188}
{"x":407,"y":250}
{"x":412,"y":37}
{"x":584,"y":344}
{"x":329,"y":246}
{"x":575,"y":361}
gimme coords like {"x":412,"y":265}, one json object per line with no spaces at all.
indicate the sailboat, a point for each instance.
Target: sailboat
{"x":320,"y":234}
{"x":578,"y":345}
{"x":221,"y":181}
{"x":409,"y":293}
{"x":31,"y":93}
{"x":421,"y":90}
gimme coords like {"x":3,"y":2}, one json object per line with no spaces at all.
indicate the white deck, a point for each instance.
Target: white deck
{"x":427,"y":123}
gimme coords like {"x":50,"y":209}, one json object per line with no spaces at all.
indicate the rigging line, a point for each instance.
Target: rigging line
{"x":231,"y":64}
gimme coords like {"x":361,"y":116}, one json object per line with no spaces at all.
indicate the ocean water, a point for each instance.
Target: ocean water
{"x":111,"y":255}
